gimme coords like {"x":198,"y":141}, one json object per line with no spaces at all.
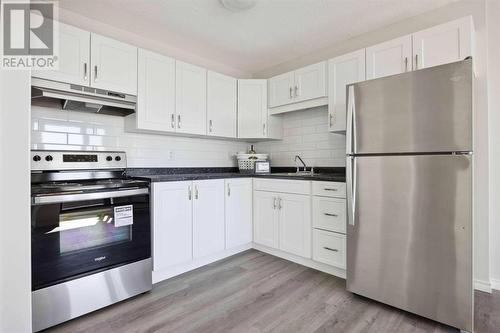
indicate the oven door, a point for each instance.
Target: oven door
{"x":75,"y":235}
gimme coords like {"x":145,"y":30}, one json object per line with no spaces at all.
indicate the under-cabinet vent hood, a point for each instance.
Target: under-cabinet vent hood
{"x":81,"y":98}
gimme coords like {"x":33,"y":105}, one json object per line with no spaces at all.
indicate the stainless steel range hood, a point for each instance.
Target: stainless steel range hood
{"x":81,"y":98}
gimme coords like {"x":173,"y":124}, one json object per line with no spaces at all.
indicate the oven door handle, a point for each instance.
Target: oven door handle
{"x":52,"y":199}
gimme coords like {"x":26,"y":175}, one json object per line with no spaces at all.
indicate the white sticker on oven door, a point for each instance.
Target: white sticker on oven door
{"x":124,"y":215}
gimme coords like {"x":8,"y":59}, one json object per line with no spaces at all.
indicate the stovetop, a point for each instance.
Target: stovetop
{"x":64,"y":187}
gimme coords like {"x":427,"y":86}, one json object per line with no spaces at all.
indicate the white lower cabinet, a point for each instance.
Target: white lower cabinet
{"x":172,"y":224}
{"x":295,"y":224}
{"x":266,"y":223}
{"x":329,"y":248}
{"x":208,"y":217}
{"x":238,"y":212}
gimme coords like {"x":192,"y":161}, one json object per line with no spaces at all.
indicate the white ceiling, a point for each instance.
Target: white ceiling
{"x":272,"y":32}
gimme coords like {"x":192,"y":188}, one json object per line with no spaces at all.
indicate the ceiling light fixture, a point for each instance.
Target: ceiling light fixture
{"x":238,"y":5}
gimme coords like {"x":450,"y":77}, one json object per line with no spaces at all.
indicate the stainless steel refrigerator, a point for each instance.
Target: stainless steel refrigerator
{"x":409,"y":192}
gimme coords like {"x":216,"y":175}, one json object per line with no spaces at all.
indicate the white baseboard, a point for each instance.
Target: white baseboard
{"x":196,"y":263}
{"x":341,"y":273}
{"x":495,"y":284}
{"x":482,"y":285}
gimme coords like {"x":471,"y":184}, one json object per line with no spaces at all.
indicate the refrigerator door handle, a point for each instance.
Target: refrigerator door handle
{"x":351,"y":189}
{"x":351,"y":124}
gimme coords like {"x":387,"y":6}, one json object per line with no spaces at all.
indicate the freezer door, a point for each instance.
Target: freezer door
{"x":428,"y":110}
{"x":409,"y":240}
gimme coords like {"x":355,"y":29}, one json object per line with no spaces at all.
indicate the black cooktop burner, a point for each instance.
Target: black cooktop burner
{"x":85,"y":186}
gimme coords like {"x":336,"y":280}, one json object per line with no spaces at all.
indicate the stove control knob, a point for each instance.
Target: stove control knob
{"x":36,"y":158}
{"x":118,"y":158}
{"x":109,"y":158}
{"x":48,"y":158}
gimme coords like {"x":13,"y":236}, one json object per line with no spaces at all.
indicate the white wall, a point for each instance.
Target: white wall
{"x":15,"y":216}
{"x":455,"y":10}
{"x":305,"y":133}
{"x":493,"y":22}
{"x":59,"y":129}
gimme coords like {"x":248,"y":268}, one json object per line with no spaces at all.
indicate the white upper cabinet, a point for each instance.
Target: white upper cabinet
{"x":221,"y":105}
{"x":281,"y":89}
{"x":252,"y":109}
{"x":310,"y":82}
{"x":342,"y":70}
{"x":114,"y":65}
{"x":443,"y":44}
{"x":155,"y":92}
{"x":238,"y":212}
{"x":172,"y":224}
{"x":389,"y":58}
{"x":191,"y":98}
{"x":208,"y":217}
{"x":297,"y":86}
{"x":73,"y":59}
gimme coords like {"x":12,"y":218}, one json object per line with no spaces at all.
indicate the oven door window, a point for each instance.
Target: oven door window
{"x":74,"y":239}
{"x":90,"y":229}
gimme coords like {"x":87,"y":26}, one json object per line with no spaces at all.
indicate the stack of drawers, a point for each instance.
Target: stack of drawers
{"x":329,"y":223}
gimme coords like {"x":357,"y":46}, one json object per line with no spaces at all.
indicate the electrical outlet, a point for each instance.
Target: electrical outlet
{"x":171,"y":155}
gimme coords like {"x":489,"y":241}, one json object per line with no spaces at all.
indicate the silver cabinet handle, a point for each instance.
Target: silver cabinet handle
{"x":264,"y":129}
{"x":291,"y":93}
{"x":172,"y":121}
{"x":178,"y":121}
{"x":296,"y":91}
{"x":210,"y":125}
{"x":330,"y":214}
{"x":190,"y":193}
{"x":274,"y":202}
{"x":406,"y":64}
{"x":228,"y":190}
{"x":416,"y":61}
{"x":331,"y":119}
{"x":279,"y":204}
{"x":196,"y":194}
{"x":95,"y":73}
{"x":330,"y":189}
{"x":330,"y":249}
{"x":85,"y":76}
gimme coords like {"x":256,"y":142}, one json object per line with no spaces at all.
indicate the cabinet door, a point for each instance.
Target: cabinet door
{"x":191,"y":98}
{"x":238,"y":212}
{"x":265,"y":219}
{"x":114,"y":65}
{"x":172,"y":224}
{"x":295,"y":224}
{"x":281,"y":89}
{"x":443,"y":44}
{"x":343,"y":70}
{"x":74,"y":57}
{"x":310,"y":82}
{"x":155,"y":92}
{"x":389,"y":58}
{"x":208,"y":217}
{"x":221,"y":105}
{"x":252,"y":109}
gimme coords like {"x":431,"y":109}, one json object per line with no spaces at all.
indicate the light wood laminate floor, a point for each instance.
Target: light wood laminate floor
{"x":257,"y":292}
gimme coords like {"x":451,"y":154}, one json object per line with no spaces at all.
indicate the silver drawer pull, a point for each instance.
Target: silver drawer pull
{"x":330,"y":249}
{"x":329,"y":214}
{"x":330,"y":189}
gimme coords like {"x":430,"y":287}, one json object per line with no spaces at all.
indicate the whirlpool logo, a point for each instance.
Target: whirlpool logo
{"x":101,"y":258}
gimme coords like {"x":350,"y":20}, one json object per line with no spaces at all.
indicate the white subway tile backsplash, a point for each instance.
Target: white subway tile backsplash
{"x":305,"y":133}
{"x":63,"y":130}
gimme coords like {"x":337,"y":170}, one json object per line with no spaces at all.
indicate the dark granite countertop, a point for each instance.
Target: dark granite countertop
{"x":179,"y":174}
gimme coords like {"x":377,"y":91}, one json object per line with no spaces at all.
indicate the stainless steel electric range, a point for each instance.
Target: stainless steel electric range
{"x":90,"y":234}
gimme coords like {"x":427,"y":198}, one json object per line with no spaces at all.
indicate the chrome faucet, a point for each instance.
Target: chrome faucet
{"x":297,"y":157}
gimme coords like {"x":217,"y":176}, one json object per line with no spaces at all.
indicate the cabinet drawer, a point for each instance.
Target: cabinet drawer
{"x":283,"y":186}
{"x":329,"y":214}
{"x":329,"y":189}
{"x":329,"y":248}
